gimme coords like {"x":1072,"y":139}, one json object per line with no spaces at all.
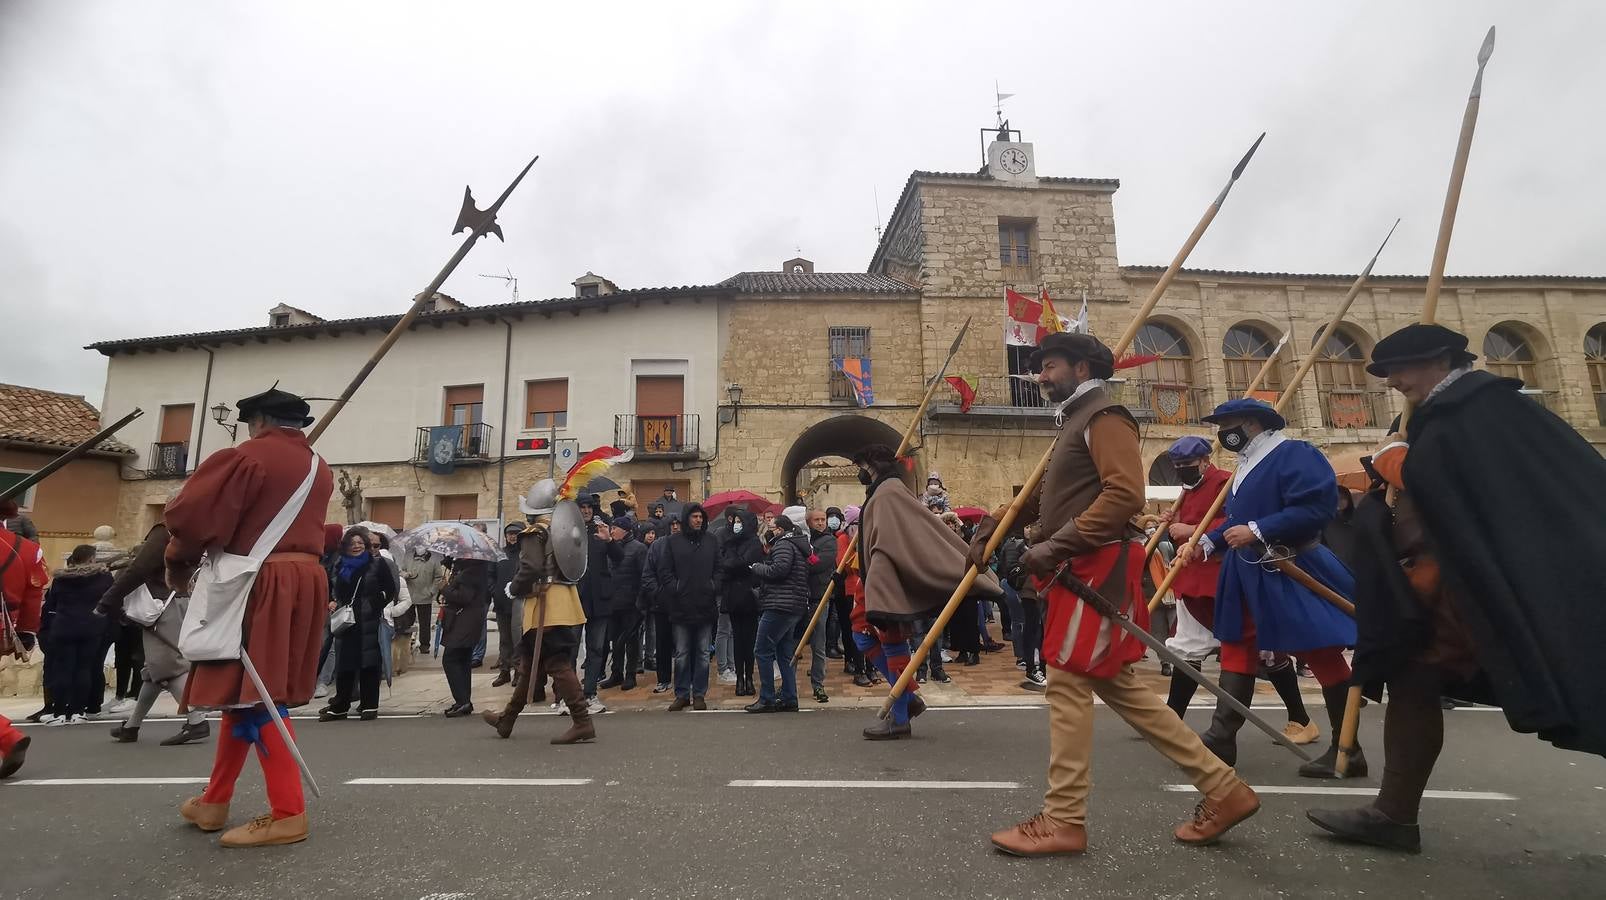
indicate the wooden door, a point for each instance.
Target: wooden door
{"x":651,"y":490}
{"x":451,"y":507}
{"x":390,"y":511}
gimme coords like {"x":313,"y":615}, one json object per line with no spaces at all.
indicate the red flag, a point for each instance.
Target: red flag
{"x":966,"y":386}
{"x":1133,"y":360}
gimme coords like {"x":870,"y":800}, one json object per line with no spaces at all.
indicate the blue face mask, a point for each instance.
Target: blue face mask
{"x":736,"y":527}
{"x":833,"y":523}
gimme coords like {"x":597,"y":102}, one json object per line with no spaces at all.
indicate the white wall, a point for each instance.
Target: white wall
{"x":594,"y":350}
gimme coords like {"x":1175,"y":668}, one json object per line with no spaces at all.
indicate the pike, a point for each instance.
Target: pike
{"x":903,"y":446}
{"x":1282,"y":401}
{"x":50,"y":468}
{"x":1104,"y":607}
{"x":479,"y":223}
{"x":1430,"y":309}
{"x":1030,"y":486}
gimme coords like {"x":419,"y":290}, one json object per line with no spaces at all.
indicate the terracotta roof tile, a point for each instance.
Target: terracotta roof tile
{"x":51,"y":419}
{"x":815,"y":283}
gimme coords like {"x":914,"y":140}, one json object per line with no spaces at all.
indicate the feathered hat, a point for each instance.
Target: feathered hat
{"x":589,"y":467}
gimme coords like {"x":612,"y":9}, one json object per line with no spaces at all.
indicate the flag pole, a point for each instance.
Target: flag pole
{"x":1430,"y":309}
{"x":1030,"y":486}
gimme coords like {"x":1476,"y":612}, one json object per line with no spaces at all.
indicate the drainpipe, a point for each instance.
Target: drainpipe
{"x":206,"y":394}
{"x":501,"y":462}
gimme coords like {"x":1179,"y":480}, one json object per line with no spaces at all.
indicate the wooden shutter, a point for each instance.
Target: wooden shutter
{"x":546,"y":403}
{"x":660,"y":395}
{"x":177,"y":424}
{"x":449,"y":507}
{"x":390,"y":511}
{"x":463,"y":395}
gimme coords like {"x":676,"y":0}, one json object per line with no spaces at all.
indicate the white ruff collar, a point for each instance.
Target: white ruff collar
{"x":1083,"y":388}
{"x":1260,"y":446}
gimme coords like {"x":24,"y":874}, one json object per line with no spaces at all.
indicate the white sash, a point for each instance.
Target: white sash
{"x":215,"y":621}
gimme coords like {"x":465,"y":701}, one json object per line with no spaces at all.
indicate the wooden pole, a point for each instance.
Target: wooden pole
{"x":49,"y":468}
{"x":1430,"y":308}
{"x":479,"y":224}
{"x":936,"y":380}
{"x":1282,"y":401}
{"x":814,"y":620}
{"x":1030,"y":486}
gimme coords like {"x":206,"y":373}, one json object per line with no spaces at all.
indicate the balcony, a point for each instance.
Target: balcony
{"x":1354,"y":408}
{"x":168,"y":460}
{"x":657,"y":437}
{"x":473,"y":448}
{"x":1162,"y":403}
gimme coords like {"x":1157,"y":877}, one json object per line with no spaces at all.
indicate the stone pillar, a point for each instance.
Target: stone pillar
{"x":1212,"y":327}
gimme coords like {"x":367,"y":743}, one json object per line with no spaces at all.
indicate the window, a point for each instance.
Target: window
{"x":170,"y":455}
{"x":1244,"y":350}
{"x":456,"y":507}
{"x":1341,"y":363}
{"x":280,"y":320}
{"x":1015,"y":249}
{"x":9,"y":477}
{"x":1022,"y":393}
{"x":465,"y":405}
{"x":846,"y":341}
{"x":1507,"y":353}
{"x":177,"y":423}
{"x":390,"y":511}
{"x":588,"y":290}
{"x":1595,"y":358}
{"x":1346,"y":398}
{"x":429,"y":305}
{"x":1175,"y":365}
{"x":546,"y":403}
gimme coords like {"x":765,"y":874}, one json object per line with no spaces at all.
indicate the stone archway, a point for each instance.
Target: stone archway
{"x":837,"y":436}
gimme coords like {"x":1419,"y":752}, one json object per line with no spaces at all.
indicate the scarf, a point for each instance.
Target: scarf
{"x":350,"y":564}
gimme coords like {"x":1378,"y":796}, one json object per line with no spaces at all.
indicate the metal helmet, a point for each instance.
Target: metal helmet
{"x":540,"y":499}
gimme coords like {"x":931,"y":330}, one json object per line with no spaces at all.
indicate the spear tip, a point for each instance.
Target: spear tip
{"x":1244,"y":163}
{"x":1487,"y":50}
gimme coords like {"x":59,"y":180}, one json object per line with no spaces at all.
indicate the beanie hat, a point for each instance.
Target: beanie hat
{"x":624,"y":523}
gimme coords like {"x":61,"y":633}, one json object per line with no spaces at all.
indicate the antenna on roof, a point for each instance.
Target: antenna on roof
{"x":876,"y":193}
{"x":511,"y":279}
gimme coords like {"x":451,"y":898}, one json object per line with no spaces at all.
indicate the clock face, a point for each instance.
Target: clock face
{"x":1013,"y":160}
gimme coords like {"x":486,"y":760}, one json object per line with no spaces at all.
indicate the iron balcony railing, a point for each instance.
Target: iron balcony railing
{"x":473,"y":446}
{"x":169,"y":460}
{"x":1354,"y":408}
{"x":1162,"y":403}
{"x":656,"y":435}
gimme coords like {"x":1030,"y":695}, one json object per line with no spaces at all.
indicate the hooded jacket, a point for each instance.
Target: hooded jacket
{"x":784,"y":578}
{"x":823,"y":543}
{"x":70,"y":602}
{"x":627,"y":561}
{"x":736,"y":556}
{"x":690,"y":573}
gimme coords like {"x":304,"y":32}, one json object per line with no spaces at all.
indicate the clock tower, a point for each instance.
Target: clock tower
{"x":1009,"y":159}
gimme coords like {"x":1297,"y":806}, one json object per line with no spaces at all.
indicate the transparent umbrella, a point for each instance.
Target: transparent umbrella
{"x":457,"y":540}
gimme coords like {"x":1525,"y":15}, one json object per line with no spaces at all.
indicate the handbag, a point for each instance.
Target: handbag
{"x":142,"y":608}
{"x":342,"y":618}
{"x":214,"y":624}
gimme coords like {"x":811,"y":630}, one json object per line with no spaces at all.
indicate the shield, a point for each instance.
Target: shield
{"x":568,"y":538}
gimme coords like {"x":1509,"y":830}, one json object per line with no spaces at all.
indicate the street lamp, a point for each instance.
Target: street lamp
{"x":734,"y":392}
{"x":220,"y":415}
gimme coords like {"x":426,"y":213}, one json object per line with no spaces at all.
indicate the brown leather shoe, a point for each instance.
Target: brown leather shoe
{"x":501,"y":722}
{"x":679,"y":703}
{"x":1215,"y":815}
{"x":205,"y":816}
{"x":581,"y":730}
{"x":1042,"y":836}
{"x":266,"y":831}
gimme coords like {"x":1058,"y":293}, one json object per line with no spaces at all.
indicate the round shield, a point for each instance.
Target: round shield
{"x":568,"y":537}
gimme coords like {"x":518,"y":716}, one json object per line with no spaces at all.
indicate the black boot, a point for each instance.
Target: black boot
{"x":1182,"y":690}
{"x":1222,"y":735}
{"x":1326,"y":766}
{"x":122,"y":734}
{"x":189,"y":734}
{"x":1367,"y":825}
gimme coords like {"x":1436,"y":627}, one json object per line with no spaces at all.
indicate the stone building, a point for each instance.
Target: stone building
{"x":732,"y":385}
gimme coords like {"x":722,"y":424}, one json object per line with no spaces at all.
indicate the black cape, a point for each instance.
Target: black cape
{"x":1511,"y":498}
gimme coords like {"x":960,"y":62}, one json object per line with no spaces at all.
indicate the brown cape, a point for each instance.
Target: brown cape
{"x":912,"y":561}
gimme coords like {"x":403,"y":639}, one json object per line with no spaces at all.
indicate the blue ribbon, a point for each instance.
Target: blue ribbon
{"x":248,"y":725}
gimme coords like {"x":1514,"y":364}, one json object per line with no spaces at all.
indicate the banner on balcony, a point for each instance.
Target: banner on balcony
{"x":965,"y":386}
{"x":1171,"y":404}
{"x":1348,"y":410}
{"x":443,"y":443}
{"x":856,"y":369}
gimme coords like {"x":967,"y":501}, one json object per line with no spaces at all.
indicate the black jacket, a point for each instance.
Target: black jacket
{"x":368,"y":589}
{"x":784,"y":577}
{"x":502,"y":575}
{"x":654,"y":593}
{"x":739,"y":586}
{"x":627,"y":560}
{"x":69,"y":607}
{"x":823,"y":543}
{"x":464,"y":600}
{"x":691,"y":572}
{"x":594,"y":586}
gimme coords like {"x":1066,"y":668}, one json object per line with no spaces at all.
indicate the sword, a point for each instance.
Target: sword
{"x":278,"y":722}
{"x":1102,"y":605}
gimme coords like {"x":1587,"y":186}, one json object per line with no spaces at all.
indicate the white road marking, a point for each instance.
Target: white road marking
{"x":1351,"y":792}
{"x":74,"y":782}
{"x":496,"y":782}
{"x":926,"y":785}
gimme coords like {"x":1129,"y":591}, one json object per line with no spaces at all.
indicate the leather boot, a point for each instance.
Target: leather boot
{"x":1367,"y":825}
{"x":503,"y":722}
{"x":566,"y":685}
{"x":1042,"y":836}
{"x":1326,"y":766}
{"x":1213,"y":816}
{"x":1222,"y":736}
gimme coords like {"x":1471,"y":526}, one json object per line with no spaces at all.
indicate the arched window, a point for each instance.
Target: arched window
{"x":1166,"y":385}
{"x":1595,"y":357}
{"x":1506,"y":352}
{"x":1245,"y":349}
{"x":1341,"y":386}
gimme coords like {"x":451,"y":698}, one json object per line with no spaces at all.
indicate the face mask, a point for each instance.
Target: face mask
{"x":833,"y":523}
{"x":864,"y":478}
{"x":1234,"y":438}
{"x":736,"y":527}
{"x":1190,"y":475}
{"x":933,"y":489}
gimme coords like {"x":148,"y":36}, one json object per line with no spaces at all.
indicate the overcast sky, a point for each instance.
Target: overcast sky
{"x":175,"y":167}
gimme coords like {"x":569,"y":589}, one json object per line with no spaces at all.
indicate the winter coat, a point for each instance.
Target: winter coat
{"x":784,"y":578}
{"x":739,"y":592}
{"x":70,"y":602}
{"x":654,"y":596}
{"x":823,"y":543}
{"x":627,"y":560}
{"x":465,"y":599}
{"x":368,"y":589}
{"x":423,"y":577}
{"x":162,"y":659}
{"x":502,"y":575}
{"x":691,"y":573}
{"x":594,"y":587}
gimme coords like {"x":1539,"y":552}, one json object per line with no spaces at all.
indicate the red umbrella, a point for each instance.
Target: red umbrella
{"x":970,"y":514}
{"x":716,"y":504}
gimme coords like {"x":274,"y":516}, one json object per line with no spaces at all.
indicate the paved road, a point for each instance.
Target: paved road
{"x":658,"y":814}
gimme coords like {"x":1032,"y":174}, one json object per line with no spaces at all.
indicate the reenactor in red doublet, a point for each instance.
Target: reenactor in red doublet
{"x":22,"y":580}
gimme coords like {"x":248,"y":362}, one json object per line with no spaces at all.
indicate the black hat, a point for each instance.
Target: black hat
{"x":1077,"y":347}
{"x":276,"y":403}
{"x":1419,"y":342}
{"x":877,"y":455}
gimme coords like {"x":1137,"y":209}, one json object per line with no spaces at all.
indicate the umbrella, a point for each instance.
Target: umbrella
{"x":970,"y":514}
{"x":379,"y":528}
{"x":599,"y":484}
{"x":458,"y":540}
{"x":716,"y":504}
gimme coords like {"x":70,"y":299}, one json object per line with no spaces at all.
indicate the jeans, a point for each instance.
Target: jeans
{"x":478,"y":654}
{"x":649,"y":641}
{"x":664,"y":634}
{"x":723,"y":644}
{"x":691,"y":658}
{"x":456,"y":662}
{"x":596,"y":653}
{"x":816,"y":651}
{"x":776,"y":642}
